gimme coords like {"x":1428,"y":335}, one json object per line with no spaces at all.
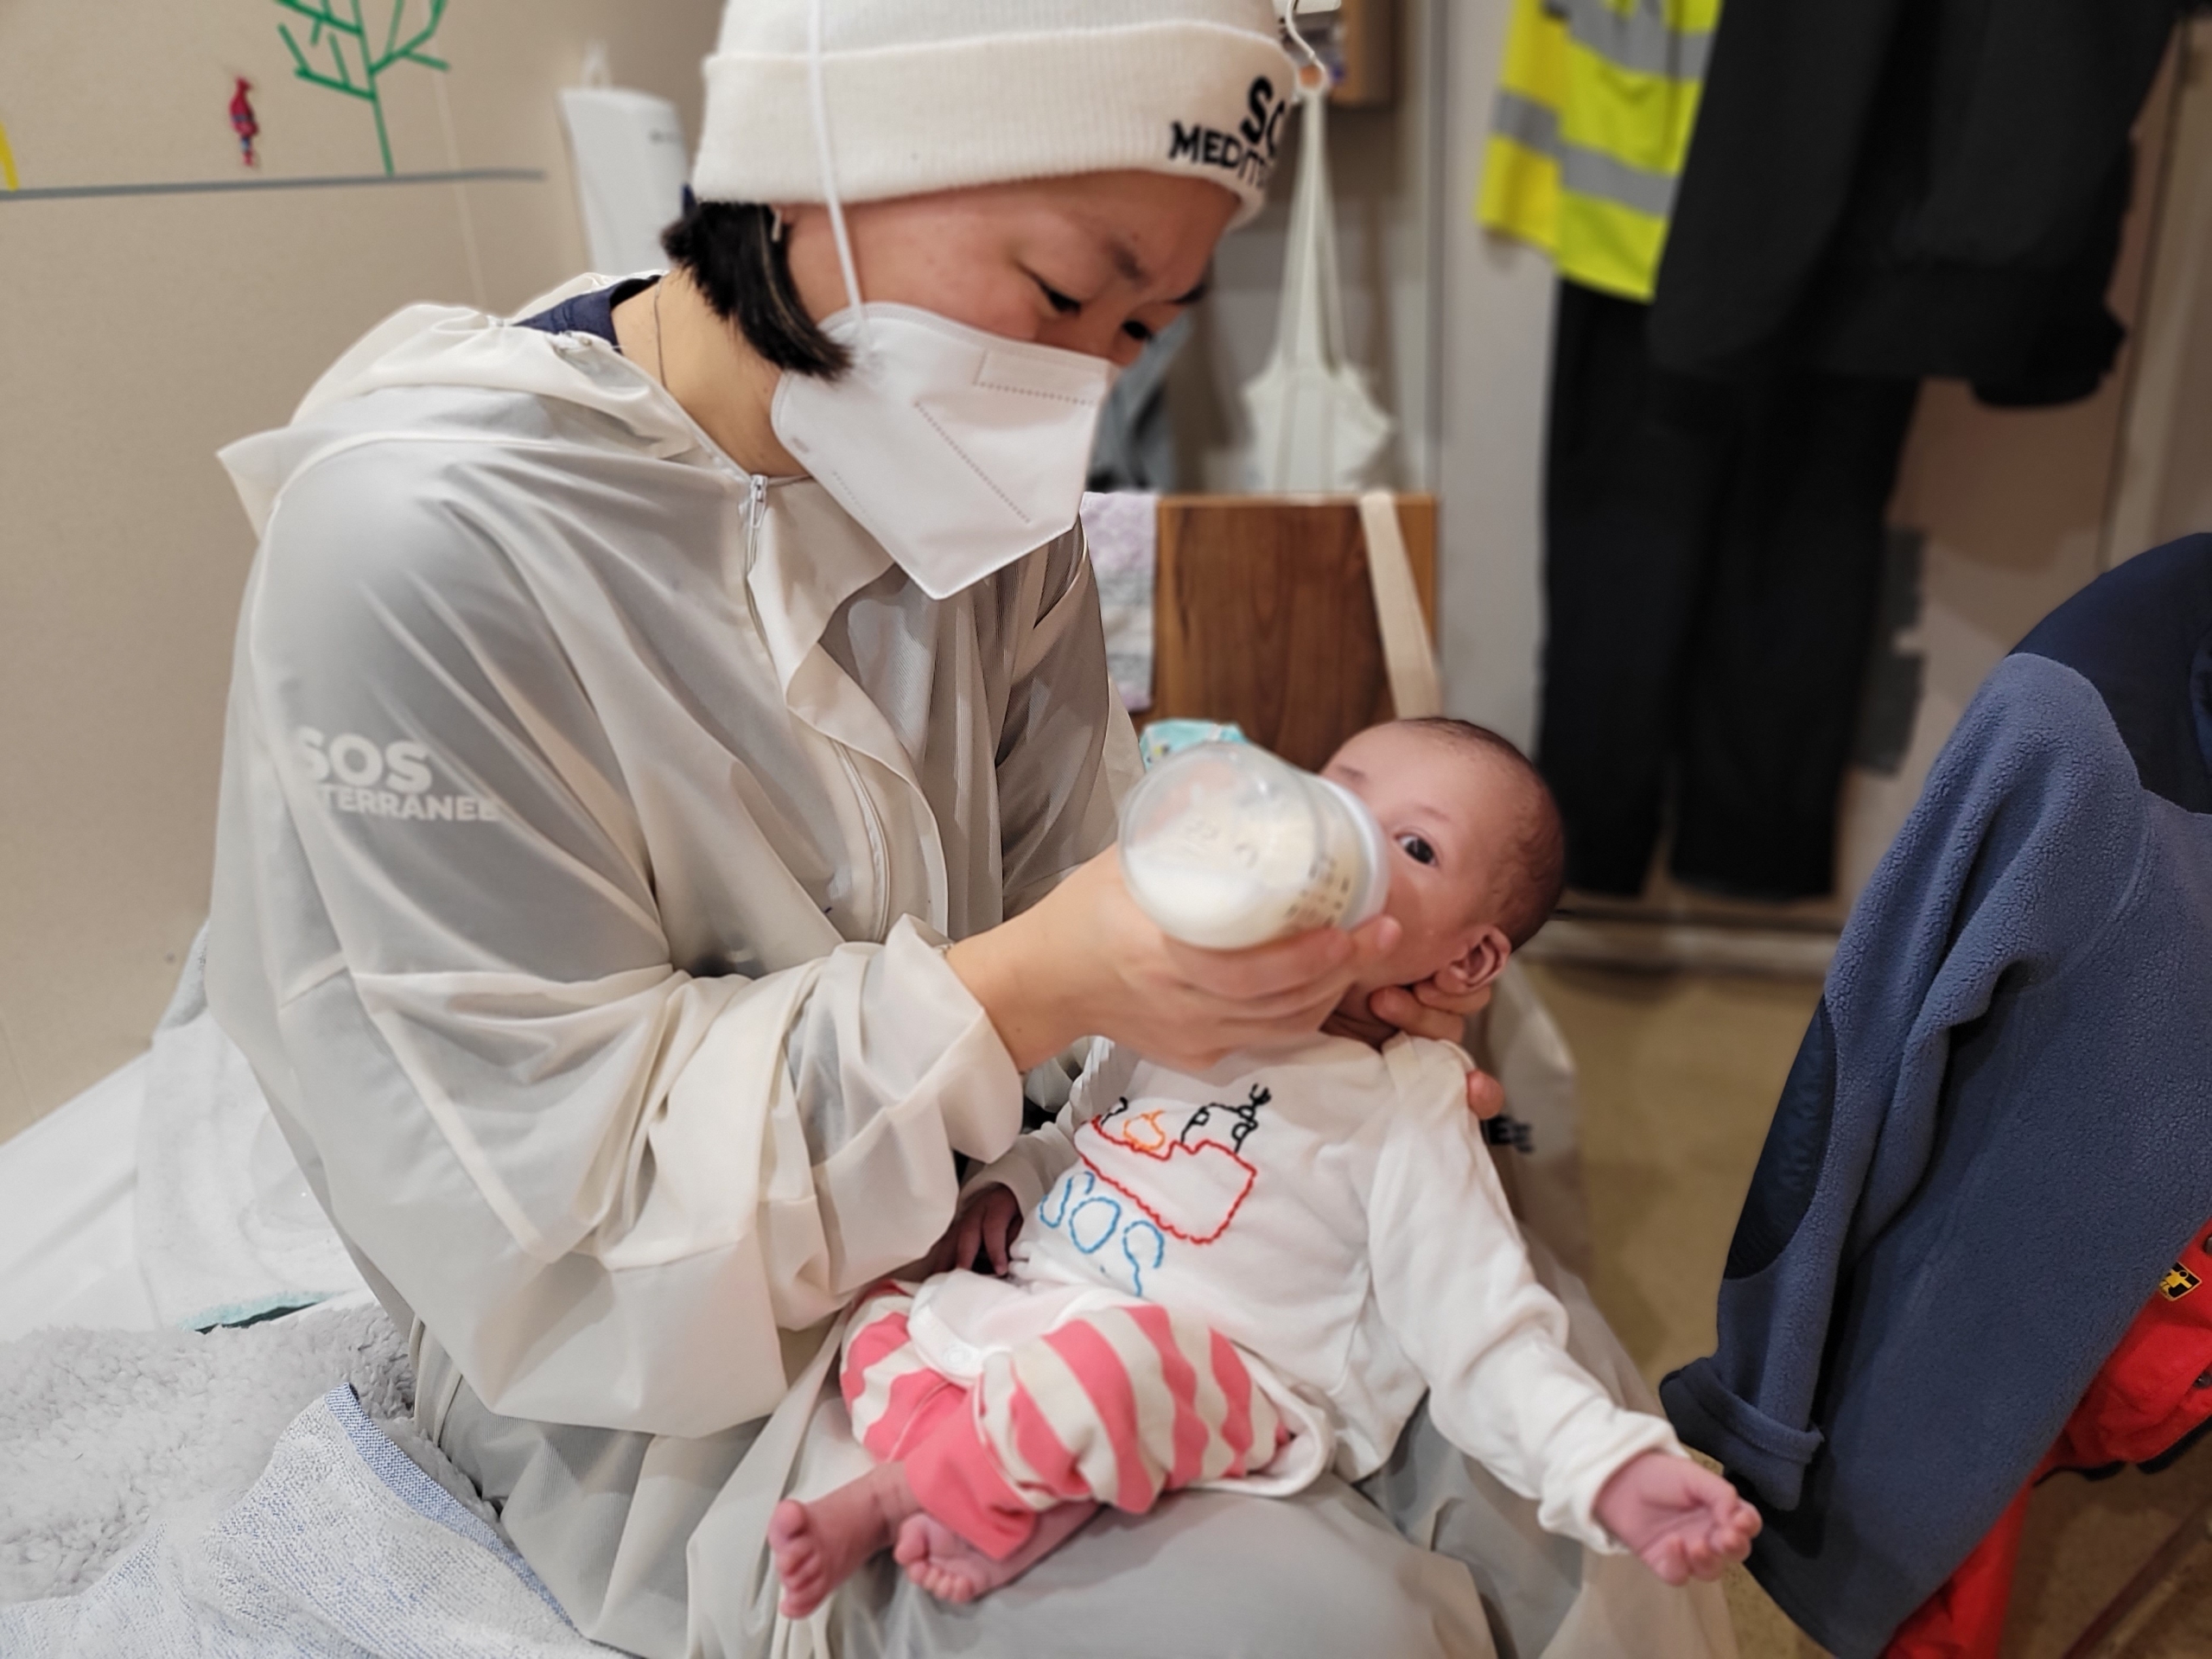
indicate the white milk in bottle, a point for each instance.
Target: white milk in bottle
{"x":1226,"y":846}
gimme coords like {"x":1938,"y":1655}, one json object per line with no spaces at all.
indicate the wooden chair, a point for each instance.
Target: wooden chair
{"x":1263,"y":615}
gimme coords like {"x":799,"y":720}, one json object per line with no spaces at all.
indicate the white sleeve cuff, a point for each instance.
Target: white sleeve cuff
{"x":1028,"y":1169}
{"x":1569,"y":1506}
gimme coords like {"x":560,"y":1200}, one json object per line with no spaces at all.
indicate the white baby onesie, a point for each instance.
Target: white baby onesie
{"x":1333,"y":1212}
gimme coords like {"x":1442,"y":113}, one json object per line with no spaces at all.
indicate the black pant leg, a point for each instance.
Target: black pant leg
{"x":1773,"y":685}
{"x":1636,"y":462}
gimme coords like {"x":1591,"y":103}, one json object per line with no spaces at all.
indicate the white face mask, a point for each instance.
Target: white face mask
{"x":958,"y":450}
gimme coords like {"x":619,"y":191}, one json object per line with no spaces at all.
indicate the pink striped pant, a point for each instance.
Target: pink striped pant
{"x":1115,"y":1407}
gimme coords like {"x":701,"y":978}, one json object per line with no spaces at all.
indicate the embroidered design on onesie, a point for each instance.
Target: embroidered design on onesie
{"x":1141,"y":1182}
{"x":1190,"y":1183}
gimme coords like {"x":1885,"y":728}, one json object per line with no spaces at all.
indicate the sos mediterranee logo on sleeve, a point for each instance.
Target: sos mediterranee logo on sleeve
{"x":389,"y":780}
{"x":1249,"y":152}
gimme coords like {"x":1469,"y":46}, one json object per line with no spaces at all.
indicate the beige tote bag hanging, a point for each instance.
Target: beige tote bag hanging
{"x":1315,"y":425}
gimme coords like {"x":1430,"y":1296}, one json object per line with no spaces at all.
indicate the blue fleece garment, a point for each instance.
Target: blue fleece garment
{"x":1997,"y":1132}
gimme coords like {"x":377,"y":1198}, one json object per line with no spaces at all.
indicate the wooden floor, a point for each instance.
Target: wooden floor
{"x":1679,"y":1076}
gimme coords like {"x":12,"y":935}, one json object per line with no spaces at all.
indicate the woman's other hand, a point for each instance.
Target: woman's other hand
{"x":1085,"y":960}
{"x":1428,"y":1010}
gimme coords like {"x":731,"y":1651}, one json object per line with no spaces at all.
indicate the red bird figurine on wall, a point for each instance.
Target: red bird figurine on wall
{"x":243,"y":122}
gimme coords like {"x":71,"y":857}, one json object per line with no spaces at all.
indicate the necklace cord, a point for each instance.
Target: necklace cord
{"x":660,"y":341}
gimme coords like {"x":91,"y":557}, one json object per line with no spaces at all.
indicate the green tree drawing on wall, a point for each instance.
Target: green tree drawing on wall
{"x":360,"y":41}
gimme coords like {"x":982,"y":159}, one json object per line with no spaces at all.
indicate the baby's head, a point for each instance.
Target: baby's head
{"x":1477,"y":856}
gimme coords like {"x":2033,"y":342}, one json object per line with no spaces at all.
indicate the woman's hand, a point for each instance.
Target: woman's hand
{"x":1427,"y":1010}
{"x":1085,"y":960}
{"x":988,"y":1219}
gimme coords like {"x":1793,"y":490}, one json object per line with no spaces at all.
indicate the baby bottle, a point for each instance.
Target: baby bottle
{"x":1226,"y":846}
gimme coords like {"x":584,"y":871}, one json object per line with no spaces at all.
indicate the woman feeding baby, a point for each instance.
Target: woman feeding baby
{"x":668,"y":804}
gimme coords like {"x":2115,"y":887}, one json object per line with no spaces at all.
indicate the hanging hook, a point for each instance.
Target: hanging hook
{"x":1309,"y":61}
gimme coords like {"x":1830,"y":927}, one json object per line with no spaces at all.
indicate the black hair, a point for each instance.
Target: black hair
{"x":1539,"y":849}
{"x":736,"y":256}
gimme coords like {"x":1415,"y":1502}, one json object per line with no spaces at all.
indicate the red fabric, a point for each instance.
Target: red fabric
{"x":1965,"y":1619}
{"x":2154,"y":1390}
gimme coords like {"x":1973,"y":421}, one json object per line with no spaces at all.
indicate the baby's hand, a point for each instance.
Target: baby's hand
{"x":986,"y":1225}
{"x":1685,"y":1523}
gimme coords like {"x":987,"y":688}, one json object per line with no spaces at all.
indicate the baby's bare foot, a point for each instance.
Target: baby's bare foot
{"x":817,"y":1545}
{"x":942,"y":1562}
{"x":950,"y":1568}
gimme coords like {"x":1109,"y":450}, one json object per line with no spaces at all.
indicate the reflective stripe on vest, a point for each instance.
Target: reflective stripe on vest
{"x":1584,"y":171}
{"x":1641,"y":39}
{"x":1589,"y":131}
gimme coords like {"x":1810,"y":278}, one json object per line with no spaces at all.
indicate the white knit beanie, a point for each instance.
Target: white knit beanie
{"x":927,"y":95}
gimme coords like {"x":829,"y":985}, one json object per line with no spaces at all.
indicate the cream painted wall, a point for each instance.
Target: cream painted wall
{"x":146,"y":333}
{"x":1493,"y":345}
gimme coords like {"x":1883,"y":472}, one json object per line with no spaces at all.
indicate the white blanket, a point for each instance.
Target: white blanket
{"x":101,"y":1430}
{"x":68,"y":1234}
{"x":342,"y":1547}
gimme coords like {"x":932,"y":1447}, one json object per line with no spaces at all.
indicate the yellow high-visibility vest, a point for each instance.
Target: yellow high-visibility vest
{"x":1591,"y":128}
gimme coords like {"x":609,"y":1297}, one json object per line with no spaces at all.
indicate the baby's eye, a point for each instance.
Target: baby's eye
{"x":1417,"y":850}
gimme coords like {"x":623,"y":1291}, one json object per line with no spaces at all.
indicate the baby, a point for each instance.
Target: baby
{"x":1245,"y":1276}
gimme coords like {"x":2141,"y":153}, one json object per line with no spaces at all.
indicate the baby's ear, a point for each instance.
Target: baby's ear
{"x":1484,"y":960}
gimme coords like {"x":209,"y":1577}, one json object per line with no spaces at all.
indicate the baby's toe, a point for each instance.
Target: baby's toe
{"x":928,"y":1576}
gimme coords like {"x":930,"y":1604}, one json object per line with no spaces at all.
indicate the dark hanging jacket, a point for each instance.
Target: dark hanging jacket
{"x":1909,"y":189}
{"x":1998,"y":1133}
